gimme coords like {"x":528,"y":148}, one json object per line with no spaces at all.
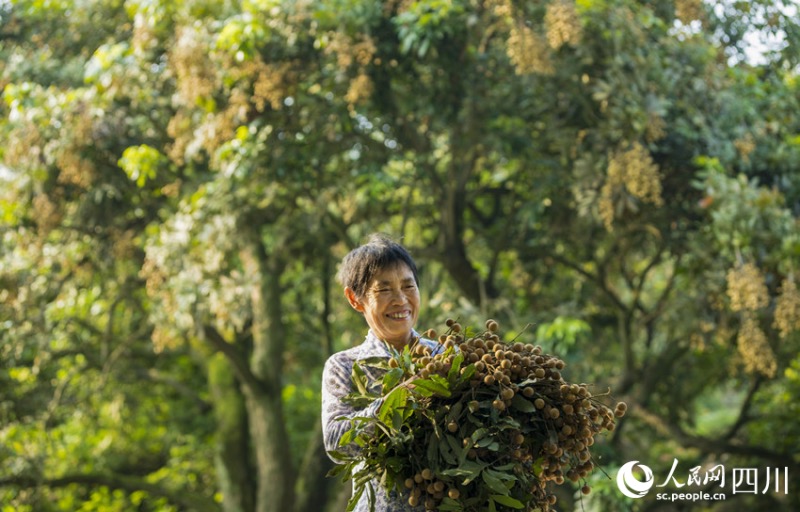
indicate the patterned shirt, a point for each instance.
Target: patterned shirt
{"x":337,"y":383}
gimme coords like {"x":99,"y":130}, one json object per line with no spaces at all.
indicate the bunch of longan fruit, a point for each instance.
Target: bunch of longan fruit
{"x":511,"y":414}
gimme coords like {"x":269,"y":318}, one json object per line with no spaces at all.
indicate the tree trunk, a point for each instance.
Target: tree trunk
{"x":274,"y":472}
{"x":314,"y":489}
{"x":270,"y":441}
{"x":232,"y":451}
{"x":454,"y":252}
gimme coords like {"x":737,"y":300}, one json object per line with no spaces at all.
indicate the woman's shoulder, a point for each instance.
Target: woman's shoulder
{"x":347,"y":356}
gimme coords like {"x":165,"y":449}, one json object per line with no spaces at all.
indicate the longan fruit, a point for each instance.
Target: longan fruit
{"x":453,"y":493}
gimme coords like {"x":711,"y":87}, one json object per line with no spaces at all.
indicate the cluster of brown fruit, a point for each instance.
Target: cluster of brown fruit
{"x":507,"y":425}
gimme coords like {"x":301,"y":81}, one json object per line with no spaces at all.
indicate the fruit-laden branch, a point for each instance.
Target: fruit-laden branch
{"x":687,"y":440}
{"x":185,"y":500}
{"x":240,"y":366}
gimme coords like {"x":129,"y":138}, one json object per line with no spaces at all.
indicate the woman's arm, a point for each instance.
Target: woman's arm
{"x":336,"y":384}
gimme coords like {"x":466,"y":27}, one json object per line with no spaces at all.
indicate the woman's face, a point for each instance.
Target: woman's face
{"x":390,"y":304}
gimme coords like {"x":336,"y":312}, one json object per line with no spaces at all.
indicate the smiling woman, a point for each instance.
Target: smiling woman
{"x":380,"y":281}
{"x":390,"y":304}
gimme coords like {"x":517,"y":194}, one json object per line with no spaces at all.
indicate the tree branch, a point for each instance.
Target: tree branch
{"x":744,"y":410}
{"x":688,"y":440}
{"x":240,"y":367}
{"x":594,"y":278}
{"x":181,"y":388}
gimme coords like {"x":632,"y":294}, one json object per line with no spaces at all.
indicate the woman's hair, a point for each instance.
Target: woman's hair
{"x":362,"y":263}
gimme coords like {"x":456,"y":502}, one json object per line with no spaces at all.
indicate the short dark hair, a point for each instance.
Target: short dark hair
{"x":361,"y":264}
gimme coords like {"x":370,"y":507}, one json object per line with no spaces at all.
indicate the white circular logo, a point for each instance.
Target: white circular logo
{"x":629,"y":485}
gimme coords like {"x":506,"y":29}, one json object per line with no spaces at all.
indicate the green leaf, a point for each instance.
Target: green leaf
{"x":501,"y":475}
{"x":435,"y":386}
{"x":433,"y":449}
{"x":450,"y":505}
{"x":521,"y":404}
{"x":357,"y":492}
{"x":375,"y":362}
{"x":392,"y":378}
{"x":455,"y":411}
{"x":347,"y":437}
{"x":455,"y":368}
{"x":468,"y":469}
{"x":392,"y":405}
{"x":479,"y":434}
{"x":485,"y":442}
{"x":494,"y":483}
{"x":507,"y":501}
{"x":455,"y":447}
{"x":467,"y":374}
{"x":359,"y":378}
{"x":446,"y":451}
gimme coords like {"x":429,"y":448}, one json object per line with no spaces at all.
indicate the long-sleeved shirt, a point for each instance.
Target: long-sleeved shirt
{"x":337,"y":383}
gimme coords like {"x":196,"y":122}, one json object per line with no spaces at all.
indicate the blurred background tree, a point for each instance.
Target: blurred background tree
{"x":180,"y":180}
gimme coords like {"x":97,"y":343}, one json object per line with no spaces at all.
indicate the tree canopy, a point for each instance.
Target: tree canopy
{"x":180,"y":179}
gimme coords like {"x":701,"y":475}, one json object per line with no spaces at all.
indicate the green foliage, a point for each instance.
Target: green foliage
{"x":166,"y":165}
{"x":141,"y":163}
